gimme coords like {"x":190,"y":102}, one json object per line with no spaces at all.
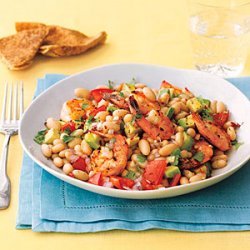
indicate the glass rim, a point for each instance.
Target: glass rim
{"x":221,"y":7}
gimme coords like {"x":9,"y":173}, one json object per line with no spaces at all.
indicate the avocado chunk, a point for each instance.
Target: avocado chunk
{"x":188,"y":142}
{"x":194,"y":105}
{"x":128,"y":87}
{"x":51,"y":135}
{"x":93,"y":140}
{"x":130,"y":130}
{"x":186,"y":122}
{"x":133,"y":141}
{"x":171,"y":171}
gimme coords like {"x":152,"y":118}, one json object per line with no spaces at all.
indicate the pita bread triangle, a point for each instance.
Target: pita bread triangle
{"x":18,"y":50}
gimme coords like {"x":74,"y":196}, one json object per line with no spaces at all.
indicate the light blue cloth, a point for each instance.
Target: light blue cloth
{"x":47,"y":204}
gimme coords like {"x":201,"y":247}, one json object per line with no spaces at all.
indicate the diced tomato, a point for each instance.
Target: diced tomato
{"x":97,"y":94}
{"x":116,"y":182}
{"x":166,"y":84}
{"x":71,"y":175}
{"x":175,"y":180}
{"x":79,"y":164}
{"x":235,"y":125}
{"x":69,"y":126}
{"x":96,"y":179}
{"x":154,"y":171}
{"x":121,"y":182}
{"x":97,"y":110}
{"x":126,"y":182}
{"x":146,"y":185}
{"x":221,"y":118}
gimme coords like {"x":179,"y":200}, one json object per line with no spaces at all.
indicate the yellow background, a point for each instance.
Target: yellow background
{"x":148,"y":31}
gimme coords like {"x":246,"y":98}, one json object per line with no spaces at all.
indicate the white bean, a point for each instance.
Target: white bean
{"x":219,"y":164}
{"x":53,"y":123}
{"x":128,"y":118}
{"x":46,"y":150}
{"x":149,"y":93}
{"x":184,"y":180}
{"x":144,"y":147}
{"x":74,"y":142}
{"x":197,"y":177}
{"x":86,"y":149}
{"x":58,"y":148}
{"x":80,"y":175}
{"x":120,"y":112}
{"x":67,"y":168}
{"x":58,"y":162}
{"x":111,"y":125}
{"x":82,"y":93}
{"x":231,"y":133}
{"x":77,"y":132}
{"x":220,"y":107}
{"x":179,"y":138}
{"x":167,"y":149}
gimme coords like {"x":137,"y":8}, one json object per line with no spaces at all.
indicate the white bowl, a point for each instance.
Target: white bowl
{"x":49,"y":104}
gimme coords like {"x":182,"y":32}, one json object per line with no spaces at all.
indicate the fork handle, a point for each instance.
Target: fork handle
{"x":4,"y":179}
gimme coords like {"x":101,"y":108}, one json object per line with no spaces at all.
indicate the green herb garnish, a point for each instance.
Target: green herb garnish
{"x":67,"y":138}
{"x":121,"y":94}
{"x":141,"y":158}
{"x":111,"y":109}
{"x":131,"y":175}
{"x":206,"y":115}
{"x":138,"y":116}
{"x":170,"y":112}
{"x":111,"y":84}
{"x":88,"y":123}
{"x":39,"y":137}
{"x":67,"y":131}
{"x":85,"y":105}
{"x":133,"y":81}
{"x":199,"y":156}
{"x":236,"y":144}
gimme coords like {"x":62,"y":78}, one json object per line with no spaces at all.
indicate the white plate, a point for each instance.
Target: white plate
{"x":49,"y":104}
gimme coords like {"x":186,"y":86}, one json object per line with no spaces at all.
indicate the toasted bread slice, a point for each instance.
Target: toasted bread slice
{"x":64,"y":42}
{"x":18,"y":50}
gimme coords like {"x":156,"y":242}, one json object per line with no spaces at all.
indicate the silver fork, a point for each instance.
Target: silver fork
{"x":9,"y":123}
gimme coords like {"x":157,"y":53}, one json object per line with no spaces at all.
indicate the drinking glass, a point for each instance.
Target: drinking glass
{"x":220,"y":35}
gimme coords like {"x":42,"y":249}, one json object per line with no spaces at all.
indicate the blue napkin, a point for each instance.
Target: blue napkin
{"x":47,"y":204}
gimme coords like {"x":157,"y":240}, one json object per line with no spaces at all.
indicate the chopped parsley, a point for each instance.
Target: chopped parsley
{"x":111,"y":84}
{"x":131,"y":175}
{"x":138,"y":116}
{"x":133,"y":81}
{"x":85,"y":105}
{"x":111,"y":109}
{"x":67,"y":131}
{"x":236,"y":144}
{"x":88,"y":123}
{"x":39,"y":137}
{"x":67,"y":138}
{"x":141,"y":158}
{"x":206,"y":115}
{"x":163,"y":91}
{"x":121,"y":94}
{"x":199,"y":156}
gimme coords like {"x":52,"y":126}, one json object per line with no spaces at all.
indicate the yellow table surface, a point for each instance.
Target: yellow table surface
{"x":148,"y":31}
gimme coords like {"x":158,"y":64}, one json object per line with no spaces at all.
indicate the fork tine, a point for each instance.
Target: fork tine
{"x":21,"y":100}
{"x":4,"y":102}
{"x":15,"y":103}
{"x":10,"y":103}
